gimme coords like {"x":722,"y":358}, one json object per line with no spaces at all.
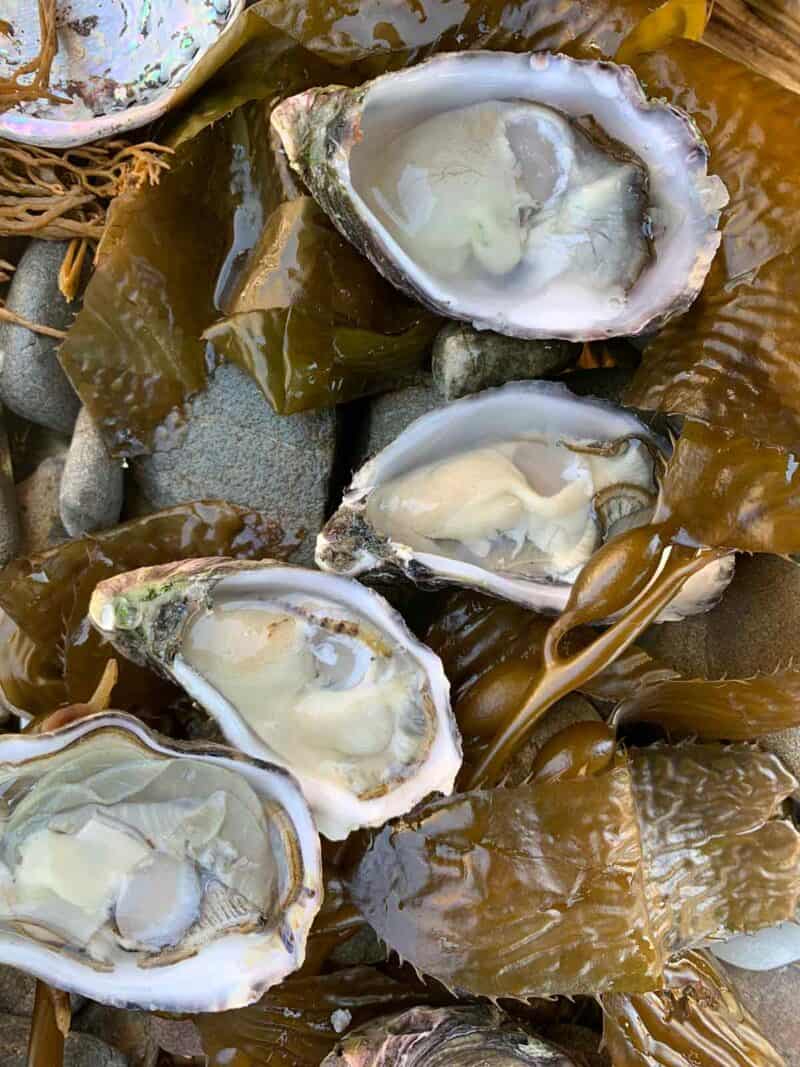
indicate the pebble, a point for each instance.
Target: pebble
{"x":772,"y":998}
{"x":32,"y":382}
{"x":389,"y":414}
{"x":131,"y":1032}
{"x":10,"y":536}
{"x":37,"y":498}
{"x":80,"y":1050}
{"x":754,"y":629}
{"x":177,"y":1037}
{"x":234,"y":447}
{"x":92,"y":486}
{"x":17,"y":991}
{"x":466,"y":360}
{"x":764,"y":950}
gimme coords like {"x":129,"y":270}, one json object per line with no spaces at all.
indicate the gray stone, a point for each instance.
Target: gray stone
{"x":234,"y":447}
{"x":32,"y":382}
{"x":93,"y":483}
{"x":772,"y":998}
{"x":17,"y":990}
{"x":10,"y":537}
{"x":466,"y":360}
{"x":37,"y":498}
{"x":390,"y":413}
{"x":131,"y":1032}
{"x":754,"y":629}
{"x":80,"y":1050}
{"x":177,"y":1037}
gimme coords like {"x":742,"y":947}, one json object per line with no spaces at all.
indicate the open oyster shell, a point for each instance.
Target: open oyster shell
{"x":509,"y":491}
{"x":532,"y":194}
{"x":471,"y":1036}
{"x":307,"y":670}
{"x":118,"y":66}
{"x":144,"y":872}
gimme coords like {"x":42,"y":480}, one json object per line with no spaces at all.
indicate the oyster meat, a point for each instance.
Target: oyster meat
{"x":118,"y":65}
{"x":310,"y":671}
{"x":532,"y":194}
{"x":140,"y":871}
{"x":473,"y":1036}
{"x":511,"y":490}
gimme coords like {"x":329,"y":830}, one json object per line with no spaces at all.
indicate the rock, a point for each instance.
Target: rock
{"x":17,"y":990}
{"x":80,"y":1050}
{"x":32,"y":382}
{"x":753,"y":630}
{"x":37,"y":497}
{"x":131,"y":1032}
{"x":466,"y":360}
{"x":364,"y":947}
{"x":389,"y":414}
{"x":93,"y":483}
{"x":764,"y":950}
{"x":234,"y":447}
{"x":10,"y":537}
{"x":772,"y":997}
{"x":178,"y":1038}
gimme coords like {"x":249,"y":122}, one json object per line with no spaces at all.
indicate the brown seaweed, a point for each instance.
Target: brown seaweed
{"x":697,"y":1020}
{"x":585,"y":884}
{"x":52,"y":656}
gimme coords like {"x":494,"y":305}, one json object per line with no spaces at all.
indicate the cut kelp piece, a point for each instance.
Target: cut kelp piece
{"x":297,"y":1024}
{"x":313,"y":672}
{"x":696,"y":1020}
{"x":588,"y":884}
{"x":50,"y":654}
{"x":311,"y":320}
{"x":730,"y":710}
{"x":504,"y":244}
{"x":143,"y":872}
{"x":472,"y":1036}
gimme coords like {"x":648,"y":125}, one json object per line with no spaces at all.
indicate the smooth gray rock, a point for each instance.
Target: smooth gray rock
{"x":17,"y":990}
{"x":772,"y":997}
{"x":32,"y":382}
{"x":80,"y":1050}
{"x":37,"y":498}
{"x":131,"y":1032}
{"x":92,"y":486}
{"x":234,"y":447}
{"x":466,"y":360}
{"x":389,"y":414}
{"x":10,"y":536}
{"x":177,"y":1037}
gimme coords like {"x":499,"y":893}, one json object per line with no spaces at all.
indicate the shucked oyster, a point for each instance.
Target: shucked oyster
{"x":535,"y":195}
{"x":310,"y":671}
{"x":510,"y":491}
{"x":140,"y":871}
{"x":473,"y":1036}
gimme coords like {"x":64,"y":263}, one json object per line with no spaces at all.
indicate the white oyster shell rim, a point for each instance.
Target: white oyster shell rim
{"x":506,"y":410}
{"x":230,"y":972}
{"x":27,"y":125}
{"x":337,"y":811}
{"x":687,"y":199}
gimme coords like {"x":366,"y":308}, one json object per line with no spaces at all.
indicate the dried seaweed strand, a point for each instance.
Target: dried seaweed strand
{"x":12,"y":90}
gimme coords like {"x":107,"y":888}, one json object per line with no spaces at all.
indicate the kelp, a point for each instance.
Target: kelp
{"x":761,"y":35}
{"x":696,"y":1020}
{"x":51,"y":656}
{"x":731,"y":709}
{"x":50,"y":1024}
{"x":299,"y":1022}
{"x":588,"y":883}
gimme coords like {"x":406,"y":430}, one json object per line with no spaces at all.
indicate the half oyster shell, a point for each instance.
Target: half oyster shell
{"x":143,"y":872}
{"x":509,"y":491}
{"x":532,"y":194}
{"x":473,"y":1036}
{"x":313,"y":672}
{"x":118,"y":66}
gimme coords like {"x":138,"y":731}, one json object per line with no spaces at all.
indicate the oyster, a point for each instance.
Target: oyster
{"x":532,"y":194}
{"x":118,"y":66}
{"x":509,"y":491}
{"x":141,"y":871}
{"x":313,"y":672}
{"x":473,"y":1036}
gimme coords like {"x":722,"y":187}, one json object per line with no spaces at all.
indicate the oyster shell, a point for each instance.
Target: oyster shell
{"x":313,"y":672}
{"x":473,"y":1036}
{"x":118,"y":66}
{"x":531,"y":194}
{"x":509,"y":491}
{"x":145,"y":872}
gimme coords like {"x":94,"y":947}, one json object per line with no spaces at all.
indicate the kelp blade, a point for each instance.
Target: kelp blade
{"x":695,"y":1021}
{"x":53,"y":656}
